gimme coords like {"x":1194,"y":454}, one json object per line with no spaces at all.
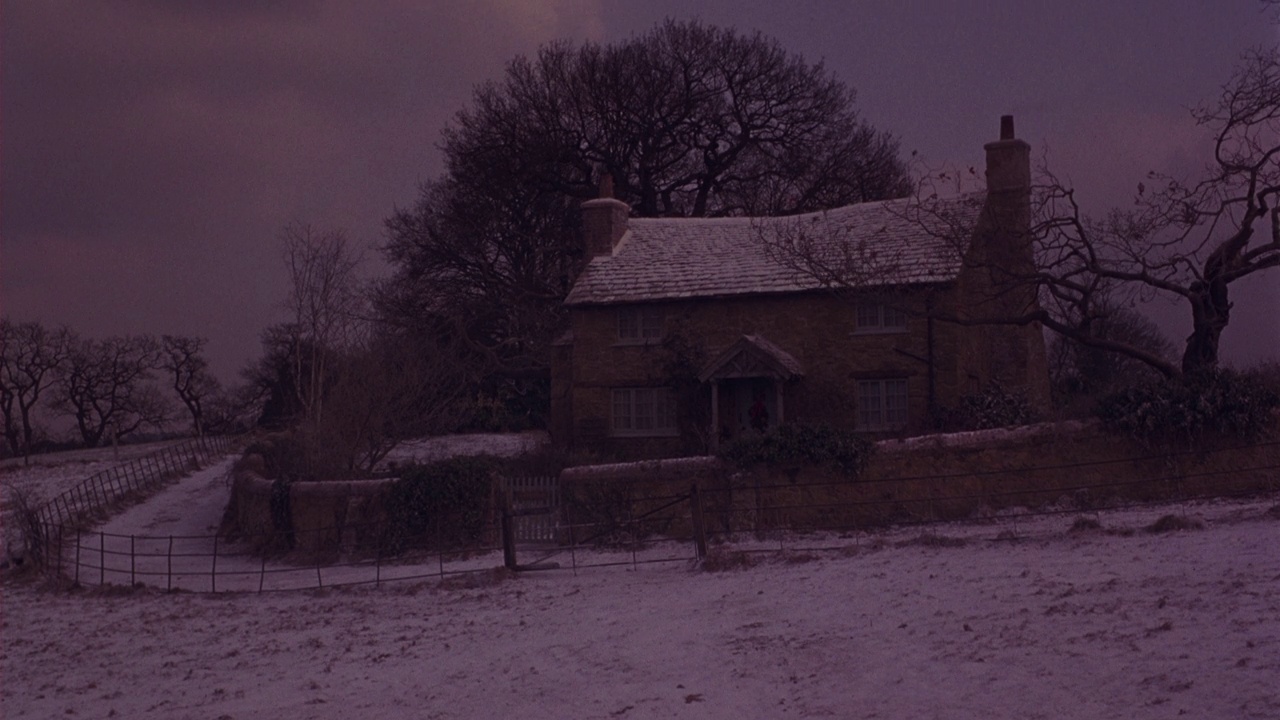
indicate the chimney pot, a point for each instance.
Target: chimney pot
{"x":1008,"y":161}
{"x":1006,"y":127}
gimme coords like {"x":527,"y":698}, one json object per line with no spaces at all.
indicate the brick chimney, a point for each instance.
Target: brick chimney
{"x":1008,"y":161}
{"x":604,"y":221}
{"x":1008,"y":242}
{"x":1000,"y":276}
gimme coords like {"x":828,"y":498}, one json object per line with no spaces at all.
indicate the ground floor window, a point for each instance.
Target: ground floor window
{"x":644,"y":411}
{"x":882,"y":404}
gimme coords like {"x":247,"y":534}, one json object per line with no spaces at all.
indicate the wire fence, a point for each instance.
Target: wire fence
{"x":98,"y":493}
{"x":677,"y":527}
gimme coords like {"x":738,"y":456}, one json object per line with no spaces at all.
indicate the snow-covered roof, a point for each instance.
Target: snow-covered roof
{"x":870,"y":244}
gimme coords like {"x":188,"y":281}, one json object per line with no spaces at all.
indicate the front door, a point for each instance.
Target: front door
{"x":747,"y":405}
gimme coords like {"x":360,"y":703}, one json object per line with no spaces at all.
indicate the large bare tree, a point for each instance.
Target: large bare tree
{"x":685,"y":120}
{"x":30,"y":357}
{"x":1186,"y":239}
{"x":106,"y":386}
{"x":182,"y":358}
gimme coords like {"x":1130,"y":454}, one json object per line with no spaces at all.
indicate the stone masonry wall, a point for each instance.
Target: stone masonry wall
{"x":818,"y":330}
{"x":1071,"y":467}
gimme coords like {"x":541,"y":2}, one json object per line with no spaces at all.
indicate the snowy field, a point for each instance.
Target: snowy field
{"x":49,"y":475}
{"x":946,"y":622}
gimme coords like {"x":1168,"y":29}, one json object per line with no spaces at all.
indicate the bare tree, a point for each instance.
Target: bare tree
{"x":233,"y":409}
{"x":182,"y":358}
{"x":1078,"y":370}
{"x":30,"y":356}
{"x":387,"y":391}
{"x":685,"y":120}
{"x":106,"y":386}
{"x":1185,"y":239}
{"x":325,"y":304}
{"x":1188,"y":240}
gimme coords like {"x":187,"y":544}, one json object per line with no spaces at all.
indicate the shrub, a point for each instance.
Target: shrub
{"x":1223,"y":403}
{"x":446,"y":502}
{"x":1174,"y":523}
{"x":994,"y":407}
{"x":792,"y":445}
{"x":605,"y":510}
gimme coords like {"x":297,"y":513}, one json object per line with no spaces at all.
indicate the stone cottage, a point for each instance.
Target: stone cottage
{"x":688,"y":332}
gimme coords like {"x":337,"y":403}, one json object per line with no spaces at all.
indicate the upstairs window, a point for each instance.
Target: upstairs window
{"x":642,"y":324}
{"x":881,"y":318}
{"x":644,"y":411}
{"x":882,"y":404}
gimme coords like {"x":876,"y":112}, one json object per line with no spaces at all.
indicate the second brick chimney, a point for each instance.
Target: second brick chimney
{"x":604,"y":221}
{"x":1008,"y":161}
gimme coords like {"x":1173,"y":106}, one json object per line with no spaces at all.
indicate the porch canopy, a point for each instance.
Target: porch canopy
{"x":750,"y":357}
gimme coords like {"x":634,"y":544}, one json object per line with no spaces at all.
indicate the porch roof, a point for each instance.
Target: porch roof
{"x":752,"y":356}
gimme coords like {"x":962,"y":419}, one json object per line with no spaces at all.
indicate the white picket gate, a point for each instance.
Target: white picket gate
{"x":528,"y":495}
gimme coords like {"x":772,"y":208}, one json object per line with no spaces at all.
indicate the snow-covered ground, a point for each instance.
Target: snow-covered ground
{"x":447,"y":446}
{"x":944,"y":622}
{"x":46,"y":476}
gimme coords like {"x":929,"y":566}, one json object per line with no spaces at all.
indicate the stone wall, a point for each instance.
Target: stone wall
{"x":818,"y":330}
{"x":1072,"y":467}
{"x":322,"y":517}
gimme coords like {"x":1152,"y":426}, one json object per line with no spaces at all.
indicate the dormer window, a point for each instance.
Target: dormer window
{"x":881,"y":318}
{"x":642,"y":324}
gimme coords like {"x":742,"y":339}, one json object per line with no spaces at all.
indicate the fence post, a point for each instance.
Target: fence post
{"x":77,"y":556}
{"x":102,"y":558}
{"x":508,"y":540}
{"x":213,"y":568}
{"x":133,"y":561}
{"x":699,"y":528}
{"x":440,"y":546}
{"x":262,"y":572}
{"x":169,"y":582}
{"x":573,"y":550}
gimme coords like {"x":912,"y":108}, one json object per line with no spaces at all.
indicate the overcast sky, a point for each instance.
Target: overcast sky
{"x":151,"y":151}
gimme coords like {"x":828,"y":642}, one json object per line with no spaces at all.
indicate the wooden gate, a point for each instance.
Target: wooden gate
{"x":534,"y":503}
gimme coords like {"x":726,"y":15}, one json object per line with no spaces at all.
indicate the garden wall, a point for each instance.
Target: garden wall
{"x":307,"y":516}
{"x":1069,"y":466}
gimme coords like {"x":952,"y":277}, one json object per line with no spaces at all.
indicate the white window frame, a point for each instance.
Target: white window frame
{"x":883,"y":404}
{"x":643,"y":412}
{"x":873,"y":318}
{"x":639,"y":324}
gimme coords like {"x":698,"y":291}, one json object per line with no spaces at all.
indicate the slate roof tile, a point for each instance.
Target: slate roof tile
{"x":869,"y":244}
